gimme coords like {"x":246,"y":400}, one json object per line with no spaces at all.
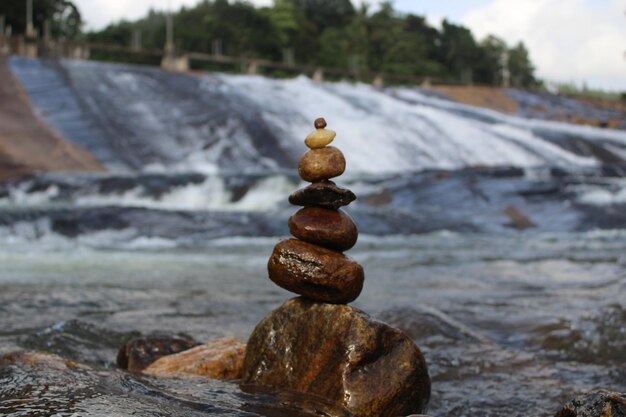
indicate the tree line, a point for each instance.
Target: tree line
{"x":331,"y":33}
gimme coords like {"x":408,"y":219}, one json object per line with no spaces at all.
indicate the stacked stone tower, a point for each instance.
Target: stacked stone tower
{"x":316,"y":344}
{"x":313,"y":265}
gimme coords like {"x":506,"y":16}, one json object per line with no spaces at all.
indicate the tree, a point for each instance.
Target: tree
{"x":458,"y":51}
{"x":326,"y":13}
{"x":522,"y":70}
{"x":62,"y":15}
{"x":489,"y":65}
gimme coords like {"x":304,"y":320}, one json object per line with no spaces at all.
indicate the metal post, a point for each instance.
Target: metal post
{"x":289,"y":57}
{"x":135,"y":43}
{"x":216,"y":47}
{"x":46,"y":30}
{"x":29,"y":19}
{"x":169,"y":30}
{"x":506,"y":74}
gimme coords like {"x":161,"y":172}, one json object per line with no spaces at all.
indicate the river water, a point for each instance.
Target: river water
{"x":175,"y":239}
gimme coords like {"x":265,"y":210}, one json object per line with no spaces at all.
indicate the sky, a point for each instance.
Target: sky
{"x":569,"y":40}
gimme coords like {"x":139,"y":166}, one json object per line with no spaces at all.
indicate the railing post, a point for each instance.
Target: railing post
{"x":379,"y":81}
{"x":289,"y":57}
{"x":216,"y":47}
{"x":318,"y":75}
{"x":253,"y":68}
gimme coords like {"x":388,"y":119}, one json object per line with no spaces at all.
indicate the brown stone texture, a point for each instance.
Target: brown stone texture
{"x":322,"y":194}
{"x":333,"y":229}
{"x":39,"y":360}
{"x":219,"y":359}
{"x":518,"y":219}
{"x":341,"y":354}
{"x":321,"y":164}
{"x":138,"y":353}
{"x":600,"y":403}
{"x":315,"y":272}
{"x":27,"y":145}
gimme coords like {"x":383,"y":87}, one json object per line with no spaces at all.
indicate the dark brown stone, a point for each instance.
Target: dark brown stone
{"x":341,"y":354}
{"x":315,"y":272}
{"x":332,"y":229}
{"x":600,"y":403}
{"x":138,"y":353}
{"x":320,"y":123}
{"x":321,"y":164}
{"x":322,"y":194}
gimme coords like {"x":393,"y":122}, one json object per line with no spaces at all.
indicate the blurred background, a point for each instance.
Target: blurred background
{"x":147,"y":150}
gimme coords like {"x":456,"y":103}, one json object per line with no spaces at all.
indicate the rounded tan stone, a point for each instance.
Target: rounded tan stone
{"x":314,"y":272}
{"x":332,"y":229}
{"x":321,"y":164}
{"x":319,"y":138}
{"x":219,"y":359}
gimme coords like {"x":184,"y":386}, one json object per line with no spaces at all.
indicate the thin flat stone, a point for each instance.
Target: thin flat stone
{"x":315,"y":272}
{"x":323,"y":194}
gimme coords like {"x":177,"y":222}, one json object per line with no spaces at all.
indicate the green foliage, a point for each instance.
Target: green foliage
{"x":333,"y":33}
{"x":62,"y":15}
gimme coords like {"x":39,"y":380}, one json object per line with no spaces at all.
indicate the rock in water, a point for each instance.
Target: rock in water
{"x":315,"y":272}
{"x":341,"y":354}
{"x":600,"y":403}
{"x":321,"y":164}
{"x":219,"y":359}
{"x":322,"y":194}
{"x":138,"y":353}
{"x":332,"y":229}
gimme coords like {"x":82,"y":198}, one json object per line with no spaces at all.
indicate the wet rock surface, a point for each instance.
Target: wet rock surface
{"x":321,"y":164}
{"x":138,"y":353}
{"x":219,"y":359}
{"x":323,"y":194}
{"x":315,"y":272}
{"x":339,"y":353}
{"x":332,"y":229}
{"x":600,"y":403}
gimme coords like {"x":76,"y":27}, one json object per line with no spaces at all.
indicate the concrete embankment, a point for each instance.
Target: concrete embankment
{"x":27,"y":145}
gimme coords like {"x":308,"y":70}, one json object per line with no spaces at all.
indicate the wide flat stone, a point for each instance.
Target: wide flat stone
{"x":219,"y":359}
{"x":333,"y":229}
{"x":315,"y":272}
{"x":341,"y":354}
{"x":321,"y":164}
{"x":138,"y":353}
{"x":323,"y":194}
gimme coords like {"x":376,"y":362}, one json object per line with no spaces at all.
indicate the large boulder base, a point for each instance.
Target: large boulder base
{"x":219,"y":359}
{"x":315,"y":272}
{"x":341,"y":354}
{"x":600,"y":403}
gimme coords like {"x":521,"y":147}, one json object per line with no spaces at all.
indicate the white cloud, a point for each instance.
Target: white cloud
{"x":569,"y":40}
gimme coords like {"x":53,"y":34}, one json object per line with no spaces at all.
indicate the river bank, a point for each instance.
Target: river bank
{"x":27,"y":144}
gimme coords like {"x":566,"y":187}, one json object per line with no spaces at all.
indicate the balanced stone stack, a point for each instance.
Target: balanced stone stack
{"x":316,"y":344}
{"x":313,"y":265}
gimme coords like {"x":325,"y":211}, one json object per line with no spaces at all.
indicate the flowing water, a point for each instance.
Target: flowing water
{"x":175,"y":239}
